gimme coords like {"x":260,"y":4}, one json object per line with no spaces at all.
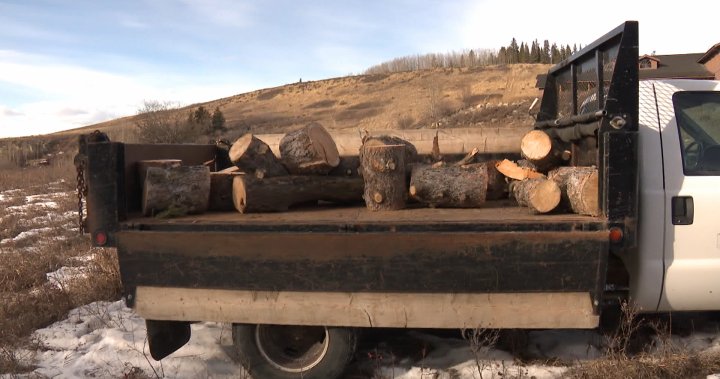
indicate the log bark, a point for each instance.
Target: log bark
{"x":383,"y":170}
{"x":497,"y":187}
{"x":348,"y":167}
{"x":542,"y":151}
{"x":278,"y":194}
{"x":309,"y":151}
{"x":450,"y":186}
{"x":176,"y":191}
{"x":254,"y":157}
{"x":540,"y":195}
{"x":411,"y":153}
{"x":142,"y":166}
{"x":579,"y":186}
{"x":221,"y":191}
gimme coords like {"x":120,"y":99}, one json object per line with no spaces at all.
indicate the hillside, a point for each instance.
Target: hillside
{"x":497,"y":95}
{"x":459,"y":97}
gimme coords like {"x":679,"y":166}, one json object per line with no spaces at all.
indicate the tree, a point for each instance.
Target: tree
{"x":554,"y":54}
{"x":218,"y":120}
{"x":513,"y":52}
{"x":546,"y":52}
{"x":162,"y":122}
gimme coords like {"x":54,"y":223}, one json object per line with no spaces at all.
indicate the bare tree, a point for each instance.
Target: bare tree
{"x":163,"y":122}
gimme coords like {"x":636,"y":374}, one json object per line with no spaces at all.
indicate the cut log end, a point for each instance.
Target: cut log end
{"x":323,"y":144}
{"x":545,"y":197}
{"x":536,"y":145}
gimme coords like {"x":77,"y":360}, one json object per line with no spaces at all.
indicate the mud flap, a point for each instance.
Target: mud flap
{"x":165,"y":337}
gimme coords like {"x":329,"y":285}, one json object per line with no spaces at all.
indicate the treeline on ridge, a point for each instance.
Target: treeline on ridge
{"x":510,"y":54}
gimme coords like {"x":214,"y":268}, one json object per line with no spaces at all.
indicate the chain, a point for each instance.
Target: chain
{"x":81,"y":192}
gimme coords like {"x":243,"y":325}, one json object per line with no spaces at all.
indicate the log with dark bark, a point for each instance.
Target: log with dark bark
{"x":450,"y":186}
{"x":278,"y":194}
{"x":309,"y":151}
{"x":383,"y":170}
{"x":542,"y":151}
{"x":497,"y":184}
{"x":348,"y":167}
{"x":579,"y":186}
{"x":540,"y":195}
{"x":221,"y":191}
{"x":176,"y":191}
{"x":254,"y":157}
{"x":411,"y":154}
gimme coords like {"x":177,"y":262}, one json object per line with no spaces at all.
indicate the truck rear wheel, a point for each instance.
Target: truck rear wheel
{"x":283,"y":352}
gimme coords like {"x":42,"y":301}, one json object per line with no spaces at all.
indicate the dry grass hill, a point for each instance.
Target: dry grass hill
{"x":497,"y":95}
{"x":464,"y":97}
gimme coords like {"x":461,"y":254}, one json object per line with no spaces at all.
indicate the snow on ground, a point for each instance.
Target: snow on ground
{"x":105,"y":339}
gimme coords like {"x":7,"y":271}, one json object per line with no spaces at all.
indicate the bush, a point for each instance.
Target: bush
{"x":162,"y":122}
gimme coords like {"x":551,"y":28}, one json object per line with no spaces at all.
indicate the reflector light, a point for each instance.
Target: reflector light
{"x":100,"y":238}
{"x":616,"y":234}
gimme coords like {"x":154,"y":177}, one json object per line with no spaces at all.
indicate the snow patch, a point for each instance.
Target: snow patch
{"x":104,"y":339}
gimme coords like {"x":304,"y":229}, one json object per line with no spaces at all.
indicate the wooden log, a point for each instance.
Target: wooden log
{"x":471,"y":157}
{"x":383,"y":170}
{"x":254,"y":157}
{"x":542,"y":151}
{"x":411,"y":153}
{"x":278,"y":194}
{"x":497,"y":187}
{"x":176,"y":191}
{"x":221,"y":190}
{"x":513,"y":171}
{"x":309,"y":151}
{"x":540,"y":195}
{"x":142,"y":166}
{"x":579,"y":186}
{"x":450,"y":186}
{"x":348,"y":167}
{"x":435,"y":153}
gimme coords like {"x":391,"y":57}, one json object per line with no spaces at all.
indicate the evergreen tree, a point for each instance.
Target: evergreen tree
{"x":472,"y":60}
{"x":502,"y":55}
{"x":554,"y":54}
{"x":522,"y":58}
{"x":546,"y":52}
{"x":218,"y":120}
{"x":526,"y":52}
{"x":513,"y":52}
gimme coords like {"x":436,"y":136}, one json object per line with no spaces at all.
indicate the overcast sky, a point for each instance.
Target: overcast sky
{"x":70,"y":63}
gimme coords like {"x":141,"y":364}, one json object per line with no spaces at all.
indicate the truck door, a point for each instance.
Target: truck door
{"x":689,"y":115}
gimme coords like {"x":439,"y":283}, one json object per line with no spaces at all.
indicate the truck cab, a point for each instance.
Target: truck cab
{"x":677,"y":264}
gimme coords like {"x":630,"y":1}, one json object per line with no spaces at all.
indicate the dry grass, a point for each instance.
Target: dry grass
{"x":643,"y":348}
{"x":28,"y":299}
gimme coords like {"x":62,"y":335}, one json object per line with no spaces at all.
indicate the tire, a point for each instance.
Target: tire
{"x":288,"y":352}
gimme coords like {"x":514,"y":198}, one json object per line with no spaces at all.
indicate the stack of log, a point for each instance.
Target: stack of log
{"x":387,"y":174}
{"x":541,"y":182}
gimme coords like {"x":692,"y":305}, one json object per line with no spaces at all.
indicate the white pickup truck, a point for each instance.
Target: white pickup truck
{"x":298,"y":285}
{"x":677,"y":263}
